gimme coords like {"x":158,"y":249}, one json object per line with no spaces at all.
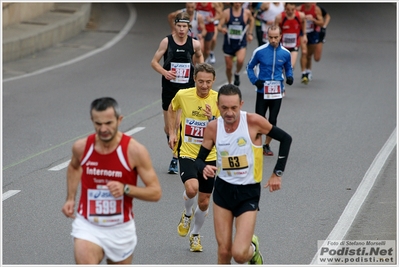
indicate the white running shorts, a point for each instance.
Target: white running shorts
{"x":118,"y":242}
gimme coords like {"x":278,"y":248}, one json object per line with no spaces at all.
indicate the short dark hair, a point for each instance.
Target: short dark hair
{"x":204,"y":67}
{"x":103,"y":103}
{"x":230,"y":89}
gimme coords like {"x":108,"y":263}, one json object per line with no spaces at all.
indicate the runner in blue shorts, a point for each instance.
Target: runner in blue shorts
{"x":314,"y":19}
{"x":239,"y":25}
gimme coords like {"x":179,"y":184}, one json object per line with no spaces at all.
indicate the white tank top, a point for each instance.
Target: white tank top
{"x":239,"y":161}
{"x":273,"y":11}
{"x":270,"y":15}
{"x":193,"y":32}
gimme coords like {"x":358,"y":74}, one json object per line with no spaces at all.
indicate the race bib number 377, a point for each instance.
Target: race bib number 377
{"x":182,"y":72}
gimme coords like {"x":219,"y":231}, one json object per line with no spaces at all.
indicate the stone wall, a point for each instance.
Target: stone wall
{"x":17,"y":12}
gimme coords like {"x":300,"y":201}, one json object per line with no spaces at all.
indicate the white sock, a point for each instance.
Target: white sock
{"x":253,"y":246}
{"x":199,"y":219}
{"x":188,"y":203}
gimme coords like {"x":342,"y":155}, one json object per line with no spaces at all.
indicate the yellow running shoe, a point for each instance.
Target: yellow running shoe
{"x":184,"y":225}
{"x":257,"y":258}
{"x":304,"y":78}
{"x":195,"y":243}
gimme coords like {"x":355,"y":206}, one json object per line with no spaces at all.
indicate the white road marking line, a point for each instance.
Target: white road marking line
{"x":135,"y":130}
{"x":10,"y":193}
{"x":65,"y":164}
{"x":355,"y":203}
{"x":60,"y":166}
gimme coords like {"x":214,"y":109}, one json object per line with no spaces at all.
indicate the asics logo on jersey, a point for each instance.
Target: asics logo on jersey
{"x":196,"y":123}
{"x":102,"y":194}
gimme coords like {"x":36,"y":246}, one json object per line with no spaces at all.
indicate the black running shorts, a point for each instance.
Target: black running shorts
{"x":188,"y":170}
{"x":167,"y":96}
{"x":236,"y":198}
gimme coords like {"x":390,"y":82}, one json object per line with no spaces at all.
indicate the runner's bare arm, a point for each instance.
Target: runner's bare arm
{"x":163,"y":46}
{"x":222,"y":21}
{"x":141,"y":160}
{"x":172,"y":126}
{"x":201,"y":25}
{"x":251,"y":23}
{"x":198,"y":56}
{"x":74,"y":173}
{"x":319,"y":20}
{"x":171,"y":20}
{"x":218,"y":6}
{"x":303,"y":21}
{"x":277,"y":20}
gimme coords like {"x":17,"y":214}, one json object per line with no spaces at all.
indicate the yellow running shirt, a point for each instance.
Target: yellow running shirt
{"x":193,"y":121}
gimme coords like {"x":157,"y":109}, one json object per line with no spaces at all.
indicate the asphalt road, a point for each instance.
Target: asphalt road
{"x":339,"y":122}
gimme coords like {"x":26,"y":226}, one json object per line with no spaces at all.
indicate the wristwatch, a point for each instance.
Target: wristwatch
{"x":126,"y":189}
{"x":279,"y":173}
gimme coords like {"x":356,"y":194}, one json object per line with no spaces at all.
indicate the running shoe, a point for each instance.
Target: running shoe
{"x":173,"y":168}
{"x":236,"y":79}
{"x":195,"y":243}
{"x":257,"y":258}
{"x":310,"y":77}
{"x":267,"y":151}
{"x":212,"y":59}
{"x":184,"y":225}
{"x":305,"y":78}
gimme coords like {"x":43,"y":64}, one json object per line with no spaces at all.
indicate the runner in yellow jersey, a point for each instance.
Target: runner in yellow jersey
{"x":198,"y":106}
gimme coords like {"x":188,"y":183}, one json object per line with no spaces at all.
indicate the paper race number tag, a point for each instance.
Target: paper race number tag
{"x":103,"y":208}
{"x":272,"y":90}
{"x":235,"y":32}
{"x":309,"y":26}
{"x":235,"y":165}
{"x":289,"y":40}
{"x":182,"y":72}
{"x":194,"y":131}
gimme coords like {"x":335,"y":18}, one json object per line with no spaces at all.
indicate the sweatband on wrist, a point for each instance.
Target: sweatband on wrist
{"x":201,"y":157}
